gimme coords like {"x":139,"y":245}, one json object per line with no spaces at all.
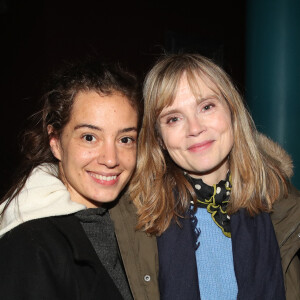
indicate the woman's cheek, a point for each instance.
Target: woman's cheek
{"x":88,"y":154}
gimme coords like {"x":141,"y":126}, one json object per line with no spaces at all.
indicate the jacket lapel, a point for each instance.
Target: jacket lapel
{"x":84,"y":254}
{"x":82,"y":248}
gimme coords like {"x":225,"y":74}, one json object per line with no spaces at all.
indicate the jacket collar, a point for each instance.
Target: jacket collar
{"x":84,"y":253}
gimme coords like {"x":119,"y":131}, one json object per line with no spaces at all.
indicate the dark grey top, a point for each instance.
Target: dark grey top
{"x":99,"y":229}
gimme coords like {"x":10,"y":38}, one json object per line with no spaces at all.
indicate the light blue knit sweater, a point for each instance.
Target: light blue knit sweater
{"x":214,"y":260}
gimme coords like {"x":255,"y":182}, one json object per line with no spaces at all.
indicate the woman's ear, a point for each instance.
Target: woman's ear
{"x":54,"y":143}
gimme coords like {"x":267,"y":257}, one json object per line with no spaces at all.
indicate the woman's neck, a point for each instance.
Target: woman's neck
{"x":214,"y":176}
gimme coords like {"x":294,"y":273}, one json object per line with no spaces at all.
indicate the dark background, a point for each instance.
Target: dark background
{"x":38,"y":36}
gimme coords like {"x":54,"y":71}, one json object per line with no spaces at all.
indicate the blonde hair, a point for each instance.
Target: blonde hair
{"x":257,"y":180}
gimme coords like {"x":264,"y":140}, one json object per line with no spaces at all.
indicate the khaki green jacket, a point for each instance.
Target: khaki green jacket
{"x":138,"y":251}
{"x":286,"y":221}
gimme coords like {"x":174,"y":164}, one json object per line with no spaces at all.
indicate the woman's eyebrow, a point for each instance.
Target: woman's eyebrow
{"x":90,"y":126}
{"x":198,"y":100}
{"x":208,"y":97}
{"x":124,"y":130}
{"x":168,"y":112}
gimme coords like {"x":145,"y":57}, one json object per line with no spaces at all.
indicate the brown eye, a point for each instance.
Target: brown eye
{"x":127,"y":140}
{"x":89,"y":138}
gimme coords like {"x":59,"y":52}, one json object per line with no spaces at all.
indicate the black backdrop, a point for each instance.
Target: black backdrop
{"x":38,"y":35}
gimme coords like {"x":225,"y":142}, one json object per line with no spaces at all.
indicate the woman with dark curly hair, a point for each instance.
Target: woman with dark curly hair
{"x":67,"y":227}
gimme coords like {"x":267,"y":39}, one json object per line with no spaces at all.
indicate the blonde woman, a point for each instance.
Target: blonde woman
{"x":209,"y":185}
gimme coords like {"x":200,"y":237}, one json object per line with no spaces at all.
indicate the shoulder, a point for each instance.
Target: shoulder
{"x":37,"y":246}
{"x":33,"y":228}
{"x":287,"y":206}
{"x":286,"y":215}
{"x":286,"y":221}
{"x":37,"y":259}
{"x":123,"y":212}
{"x":38,"y":236}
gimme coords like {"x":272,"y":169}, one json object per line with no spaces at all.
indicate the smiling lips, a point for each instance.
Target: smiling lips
{"x":104,"y":180}
{"x":200,"y":146}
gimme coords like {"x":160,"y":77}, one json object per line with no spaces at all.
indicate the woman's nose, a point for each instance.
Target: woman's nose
{"x":195,"y":126}
{"x":108,"y":155}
